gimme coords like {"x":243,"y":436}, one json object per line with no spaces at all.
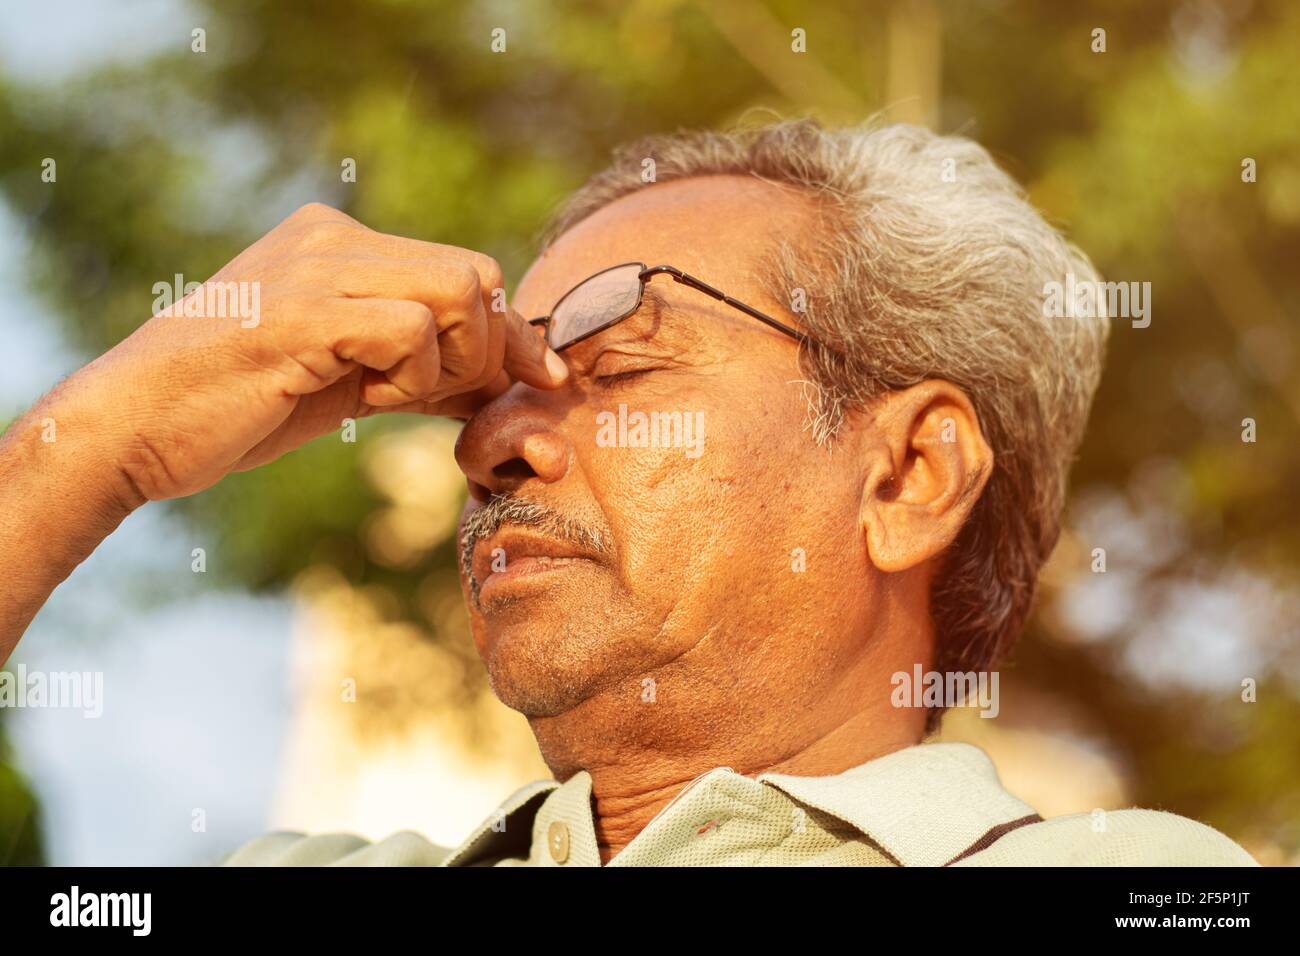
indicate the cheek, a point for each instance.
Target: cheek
{"x":717,"y":505}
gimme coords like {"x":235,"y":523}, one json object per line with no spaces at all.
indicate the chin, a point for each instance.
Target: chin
{"x":526,"y":679}
{"x":544,"y":664}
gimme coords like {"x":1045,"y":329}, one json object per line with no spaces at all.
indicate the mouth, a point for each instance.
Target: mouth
{"x":514,"y":559}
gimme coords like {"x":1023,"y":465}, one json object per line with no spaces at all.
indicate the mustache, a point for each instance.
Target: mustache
{"x":506,"y":509}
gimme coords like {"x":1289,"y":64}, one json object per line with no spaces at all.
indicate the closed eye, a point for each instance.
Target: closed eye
{"x":621,"y":378}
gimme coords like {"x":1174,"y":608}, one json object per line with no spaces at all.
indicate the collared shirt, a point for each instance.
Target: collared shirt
{"x":927,"y":805}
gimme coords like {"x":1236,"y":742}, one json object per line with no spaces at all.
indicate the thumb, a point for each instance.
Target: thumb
{"x":527,"y":356}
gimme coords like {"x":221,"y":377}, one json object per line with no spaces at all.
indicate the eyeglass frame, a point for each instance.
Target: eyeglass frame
{"x":645,"y":275}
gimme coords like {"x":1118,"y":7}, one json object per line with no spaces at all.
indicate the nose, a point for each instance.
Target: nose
{"x":507,"y":443}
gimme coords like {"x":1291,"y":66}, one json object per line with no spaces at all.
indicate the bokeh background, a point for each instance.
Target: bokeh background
{"x":223,"y":699}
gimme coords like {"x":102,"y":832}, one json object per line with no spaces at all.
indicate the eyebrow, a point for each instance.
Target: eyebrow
{"x":658,"y":302}
{"x":661,"y":318}
{"x":674,"y":321}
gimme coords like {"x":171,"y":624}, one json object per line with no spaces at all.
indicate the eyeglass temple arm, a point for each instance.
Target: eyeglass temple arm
{"x":686,"y":278}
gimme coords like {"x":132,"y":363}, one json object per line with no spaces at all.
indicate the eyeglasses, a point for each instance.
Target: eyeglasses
{"x":613,"y":294}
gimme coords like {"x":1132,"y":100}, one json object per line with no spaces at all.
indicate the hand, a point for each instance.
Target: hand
{"x":337,"y":321}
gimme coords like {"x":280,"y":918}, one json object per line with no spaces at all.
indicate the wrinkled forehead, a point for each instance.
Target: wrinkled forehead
{"x":716,"y":227}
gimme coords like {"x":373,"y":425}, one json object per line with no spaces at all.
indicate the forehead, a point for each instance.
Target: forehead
{"x":715,"y":227}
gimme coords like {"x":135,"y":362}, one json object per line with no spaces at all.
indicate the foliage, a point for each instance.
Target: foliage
{"x":174,"y":163}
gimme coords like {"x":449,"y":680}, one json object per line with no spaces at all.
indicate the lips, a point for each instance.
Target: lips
{"x":526,"y":555}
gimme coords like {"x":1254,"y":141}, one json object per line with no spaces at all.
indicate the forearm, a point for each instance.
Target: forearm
{"x":61,"y":494}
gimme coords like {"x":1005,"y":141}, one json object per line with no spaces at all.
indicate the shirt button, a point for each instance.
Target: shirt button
{"x":557,"y":841}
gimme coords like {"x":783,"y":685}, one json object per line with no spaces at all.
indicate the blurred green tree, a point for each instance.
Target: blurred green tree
{"x":20,"y":837}
{"x":174,"y":164}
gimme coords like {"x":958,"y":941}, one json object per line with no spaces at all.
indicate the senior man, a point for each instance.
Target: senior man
{"x":843,"y":428}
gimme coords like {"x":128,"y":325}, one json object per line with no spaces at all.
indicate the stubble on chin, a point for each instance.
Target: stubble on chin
{"x":547,"y":669}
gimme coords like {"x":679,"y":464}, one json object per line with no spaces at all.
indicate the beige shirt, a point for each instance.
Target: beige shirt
{"x":928,"y":805}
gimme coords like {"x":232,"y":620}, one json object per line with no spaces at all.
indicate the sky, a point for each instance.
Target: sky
{"x":46,"y":40}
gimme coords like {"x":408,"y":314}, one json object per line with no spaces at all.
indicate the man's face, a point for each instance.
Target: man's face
{"x":683,"y":565}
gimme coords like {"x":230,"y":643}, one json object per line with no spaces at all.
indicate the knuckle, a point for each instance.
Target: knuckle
{"x":326,"y":236}
{"x":489,"y":271}
{"x":313,"y":212}
{"x":419,"y":327}
{"x":460,"y":281}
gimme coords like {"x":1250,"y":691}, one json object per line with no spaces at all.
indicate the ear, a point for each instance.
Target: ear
{"x":926,"y":464}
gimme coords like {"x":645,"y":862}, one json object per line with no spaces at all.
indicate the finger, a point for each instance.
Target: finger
{"x":395,"y":339}
{"x":423,"y":278}
{"x":528,"y":358}
{"x":448,"y":286}
{"x":463,"y":332}
{"x":494,"y":356}
{"x":400,"y":247}
{"x":371,"y":244}
{"x":319,"y":415}
{"x":375,"y":389}
{"x":460,"y":406}
{"x":436,"y":283}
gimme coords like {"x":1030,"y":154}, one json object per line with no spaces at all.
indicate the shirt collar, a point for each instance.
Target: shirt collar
{"x":923,"y":805}
{"x":506,"y":831}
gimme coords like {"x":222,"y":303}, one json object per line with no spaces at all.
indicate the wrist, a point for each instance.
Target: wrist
{"x":61,"y":489}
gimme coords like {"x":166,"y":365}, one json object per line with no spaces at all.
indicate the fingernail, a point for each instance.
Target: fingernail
{"x":556,"y":367}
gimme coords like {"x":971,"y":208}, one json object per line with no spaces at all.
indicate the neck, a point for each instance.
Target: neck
{"x":626,"y":802}
{"x":817,"y":716}
{"x":635,"y":776}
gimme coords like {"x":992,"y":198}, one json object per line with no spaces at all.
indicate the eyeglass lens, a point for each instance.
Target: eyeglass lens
{"x":601,"y":300}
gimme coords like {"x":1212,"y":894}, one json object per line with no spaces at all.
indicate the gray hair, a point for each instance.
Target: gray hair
{"x":928,"y":263}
